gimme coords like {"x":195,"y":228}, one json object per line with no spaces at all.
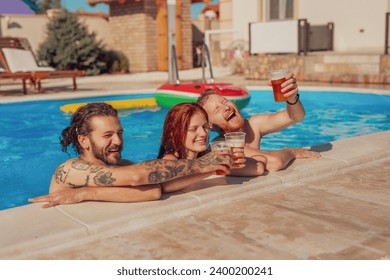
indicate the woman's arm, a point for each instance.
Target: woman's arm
{"x":181,"y":183}
{"x":113,"y":194}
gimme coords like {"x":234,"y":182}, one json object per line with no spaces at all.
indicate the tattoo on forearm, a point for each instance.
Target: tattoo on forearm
{"x":103,"y":178}
{"x":208,"y":160}
{"x":165,"y":170}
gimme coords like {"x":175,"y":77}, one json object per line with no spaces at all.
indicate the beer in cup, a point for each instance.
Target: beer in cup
{"x":236,"y":140}
{"x":219,"y":145}
{"x":278,"y":77}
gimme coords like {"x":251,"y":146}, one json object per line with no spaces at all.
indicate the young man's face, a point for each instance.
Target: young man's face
{"x":223,"y":114}
{"x":106,"y":140}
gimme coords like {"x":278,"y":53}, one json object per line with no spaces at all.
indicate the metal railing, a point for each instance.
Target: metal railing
{"x":174,"y":66}
{"x":205,"y":60}
{"x":387,"y":33}
{"x":314,"y":37}
{"x":303,"y":36}
{"x":206,"y":54}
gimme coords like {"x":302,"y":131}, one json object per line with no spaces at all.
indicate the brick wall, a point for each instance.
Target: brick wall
{"x":133,"y":31}
{"x":186,"y":35}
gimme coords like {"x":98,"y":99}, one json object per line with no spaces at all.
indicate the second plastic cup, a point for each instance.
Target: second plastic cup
{"x":278,"y":77}
{"x":236,"y":140}
{"x":220,"y":146}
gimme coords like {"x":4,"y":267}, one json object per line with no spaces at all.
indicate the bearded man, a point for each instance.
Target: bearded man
{"x":224,"y":116}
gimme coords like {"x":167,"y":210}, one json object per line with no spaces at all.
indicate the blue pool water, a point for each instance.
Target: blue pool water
{"x":30,"y":149}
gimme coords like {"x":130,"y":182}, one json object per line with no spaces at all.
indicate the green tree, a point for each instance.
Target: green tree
{"x":69,"y":45}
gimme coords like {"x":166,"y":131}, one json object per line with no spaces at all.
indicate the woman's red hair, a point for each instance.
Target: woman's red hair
{"x":175,"y":128}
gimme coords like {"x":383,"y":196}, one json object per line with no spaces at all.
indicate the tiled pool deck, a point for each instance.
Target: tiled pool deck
{"x":336,"y":207}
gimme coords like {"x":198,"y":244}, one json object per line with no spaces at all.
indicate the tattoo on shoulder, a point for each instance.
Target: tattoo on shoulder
{"x":79,"y":186}
{"x":80,"y":164}
{"x":61,"y":174}
{"x":96,"y":169}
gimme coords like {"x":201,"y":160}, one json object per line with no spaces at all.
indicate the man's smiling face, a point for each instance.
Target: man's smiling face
{"x":224,"y":116}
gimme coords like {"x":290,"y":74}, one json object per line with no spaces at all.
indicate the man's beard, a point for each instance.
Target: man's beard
{"x":100,"y":155}
{"x":233,"y":128}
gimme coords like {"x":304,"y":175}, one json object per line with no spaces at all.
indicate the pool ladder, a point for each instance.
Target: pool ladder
{"x":205,"y":54}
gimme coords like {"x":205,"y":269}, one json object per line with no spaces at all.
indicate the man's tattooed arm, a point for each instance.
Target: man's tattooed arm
{"x":76,"y":172}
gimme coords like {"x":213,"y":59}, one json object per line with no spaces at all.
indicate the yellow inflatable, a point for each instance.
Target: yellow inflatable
{"x":117,"y":104}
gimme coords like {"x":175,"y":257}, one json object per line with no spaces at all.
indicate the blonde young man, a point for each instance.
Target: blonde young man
{"x":95,"y":133}
{"x":224,"y":116}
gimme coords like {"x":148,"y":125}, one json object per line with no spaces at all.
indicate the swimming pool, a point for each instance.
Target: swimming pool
{"x":29,"y":135}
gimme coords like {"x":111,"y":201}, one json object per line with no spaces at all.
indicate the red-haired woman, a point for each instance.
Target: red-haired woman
{"x":185,"y":136}
{"x":186,"y":132}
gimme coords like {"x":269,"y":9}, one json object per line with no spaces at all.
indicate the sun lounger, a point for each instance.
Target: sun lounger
{"x":17,"y":60}
{"x":16,"y":76}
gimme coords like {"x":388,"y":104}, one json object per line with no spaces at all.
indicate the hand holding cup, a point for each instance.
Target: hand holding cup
{"x":220,"y":146}
{"x":278,"y":77}
{"x":237,"y":142}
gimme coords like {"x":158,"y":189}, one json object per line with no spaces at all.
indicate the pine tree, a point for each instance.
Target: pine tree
{"x":70,"y":46}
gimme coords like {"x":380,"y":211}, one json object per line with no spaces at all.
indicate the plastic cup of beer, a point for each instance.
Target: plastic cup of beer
{"x":278,"y":77}
{"x":220,"y":145}
{"x":236,"y":140}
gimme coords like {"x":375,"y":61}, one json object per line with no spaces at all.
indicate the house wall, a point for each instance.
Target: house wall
{"x":33,"y":27}
{"x":359,"y":25}
{"x":130,"y":29}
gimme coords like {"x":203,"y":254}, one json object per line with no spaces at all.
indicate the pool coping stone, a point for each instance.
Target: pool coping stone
{"x":30,"y":230}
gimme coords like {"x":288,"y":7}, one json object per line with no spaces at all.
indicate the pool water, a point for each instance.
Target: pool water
{"x":30,"y":149}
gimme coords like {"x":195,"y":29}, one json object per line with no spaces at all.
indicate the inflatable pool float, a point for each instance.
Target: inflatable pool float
{"x":117,"y":104}
{"x":169,"y":95}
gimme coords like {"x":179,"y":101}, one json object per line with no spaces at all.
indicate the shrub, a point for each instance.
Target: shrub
{"x":116,"y":62}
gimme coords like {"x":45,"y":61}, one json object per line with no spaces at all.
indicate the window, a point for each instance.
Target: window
{"x":279,"y":9}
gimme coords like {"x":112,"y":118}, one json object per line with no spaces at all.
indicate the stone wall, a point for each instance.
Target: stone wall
{"x":336,"y":68}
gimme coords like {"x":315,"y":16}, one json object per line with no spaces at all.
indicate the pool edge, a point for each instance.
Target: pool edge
{"x":31,"y":230}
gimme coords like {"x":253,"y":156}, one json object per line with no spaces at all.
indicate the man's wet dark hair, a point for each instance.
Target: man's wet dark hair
{"x":80,"y":124}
